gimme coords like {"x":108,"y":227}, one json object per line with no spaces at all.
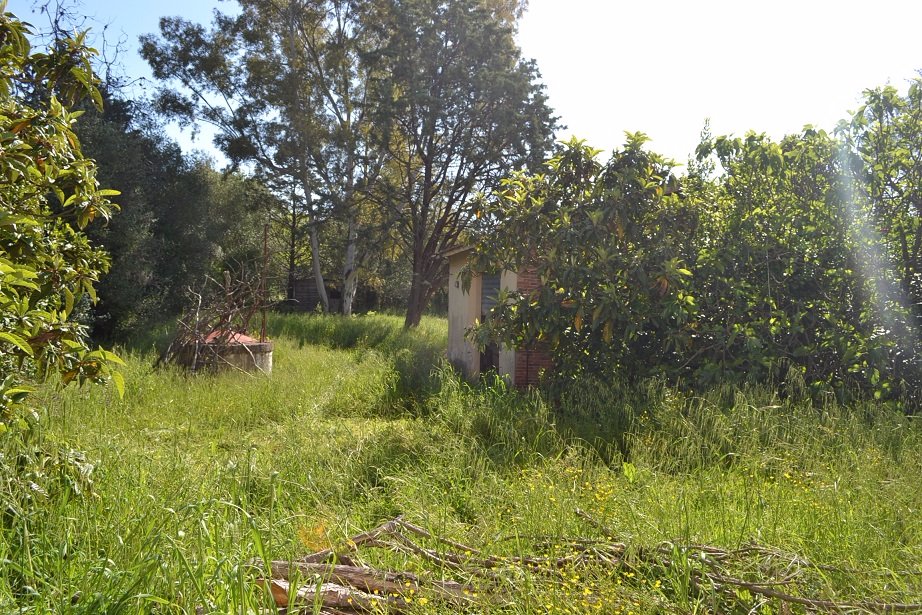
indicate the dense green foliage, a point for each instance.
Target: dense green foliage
{"x":776,"y":278}
{"x":195,"y":476}
{"x":179,"y":220}
{"x":459,"y":108}
{"x":792,"y":285}
{"x":609,"y":248}
{"x":375,"y":123}
{"x":48,"y":194}
{"x":788,"y":262}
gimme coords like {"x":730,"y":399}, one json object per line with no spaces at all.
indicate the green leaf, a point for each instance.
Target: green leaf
{"x":19,"y":389}
{"x":111,"y":357}
{"x":91,"y":291}
{"x":68,"y":302}
{"x":18,"y":342}
{"x":119,"y":382}
{"x":10,"y":220}
{"x":23,"y":283}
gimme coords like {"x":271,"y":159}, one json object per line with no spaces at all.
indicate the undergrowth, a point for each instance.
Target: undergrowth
{"x":192,"y":477}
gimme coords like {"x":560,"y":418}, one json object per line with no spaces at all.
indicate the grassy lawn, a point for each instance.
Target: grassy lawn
{"x":195,"y":476}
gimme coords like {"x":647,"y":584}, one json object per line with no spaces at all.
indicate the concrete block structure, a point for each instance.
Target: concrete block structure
{"x":521,"y":367}
{"x":224,"y":350}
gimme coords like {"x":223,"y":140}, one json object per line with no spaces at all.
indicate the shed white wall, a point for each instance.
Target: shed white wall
{"x":463,"y":311}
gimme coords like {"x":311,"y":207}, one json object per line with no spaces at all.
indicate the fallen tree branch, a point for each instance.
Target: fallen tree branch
{"x":353,"y":543}
{"x":828,"y":605}
{"x":348,"y":589}
{"x":369,"y":580}
{"x":330,"y":596}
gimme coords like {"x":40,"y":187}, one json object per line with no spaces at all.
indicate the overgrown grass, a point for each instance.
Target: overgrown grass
{"x":194,"y":476}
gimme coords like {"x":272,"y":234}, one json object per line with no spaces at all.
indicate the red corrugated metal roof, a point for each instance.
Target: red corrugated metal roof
{"x":233,"y":338}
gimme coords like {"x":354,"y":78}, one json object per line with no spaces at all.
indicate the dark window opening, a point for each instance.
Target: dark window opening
{"x":489,"y":292}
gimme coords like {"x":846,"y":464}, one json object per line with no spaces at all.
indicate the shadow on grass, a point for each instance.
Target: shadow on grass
{"x":402,"y":374}
{"x":664,"y":428}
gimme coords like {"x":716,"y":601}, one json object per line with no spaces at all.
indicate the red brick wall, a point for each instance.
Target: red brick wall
{"x":528,"y":280}
{"x":530,"y":362}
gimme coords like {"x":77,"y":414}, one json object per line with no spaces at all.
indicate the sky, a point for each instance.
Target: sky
{"x":662,"y":68}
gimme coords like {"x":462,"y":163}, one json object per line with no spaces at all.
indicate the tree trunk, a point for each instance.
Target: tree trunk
{"x":318,"y":273}
{"x":426,"y":274}
{"x":292,"y":254}
{"x":315,"y":242}
{"x":350,"y":277}
{"x":417,"y":302}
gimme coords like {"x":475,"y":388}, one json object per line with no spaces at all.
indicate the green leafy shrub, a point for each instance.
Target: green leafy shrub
{"x":771,"y":271}
{"x":609,"y":244}
{"x":48,"y":193}
{"x":48,"y":267}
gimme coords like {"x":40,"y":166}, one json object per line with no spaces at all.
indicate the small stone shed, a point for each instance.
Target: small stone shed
{"x":520,"y":367}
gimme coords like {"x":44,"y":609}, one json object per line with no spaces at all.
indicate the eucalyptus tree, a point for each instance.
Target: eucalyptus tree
{"x":457,"y":108}
{"x":338,"y":60}
{"x":284,"y":82}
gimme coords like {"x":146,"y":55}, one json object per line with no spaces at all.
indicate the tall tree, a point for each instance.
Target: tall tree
{"x":460,"y":108}
{"x":180,"y":219}
{"x":212,"y":77}
{"x":285,"y":83}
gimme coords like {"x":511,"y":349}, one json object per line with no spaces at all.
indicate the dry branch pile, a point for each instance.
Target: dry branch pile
{"x":218,"y":313}
{"x":332,"y":583}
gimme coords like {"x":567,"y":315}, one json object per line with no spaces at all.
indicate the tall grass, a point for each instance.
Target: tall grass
{"x":195,"y":476}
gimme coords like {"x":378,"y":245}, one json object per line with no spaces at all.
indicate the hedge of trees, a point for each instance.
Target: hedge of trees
{"x":794,"y":262}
